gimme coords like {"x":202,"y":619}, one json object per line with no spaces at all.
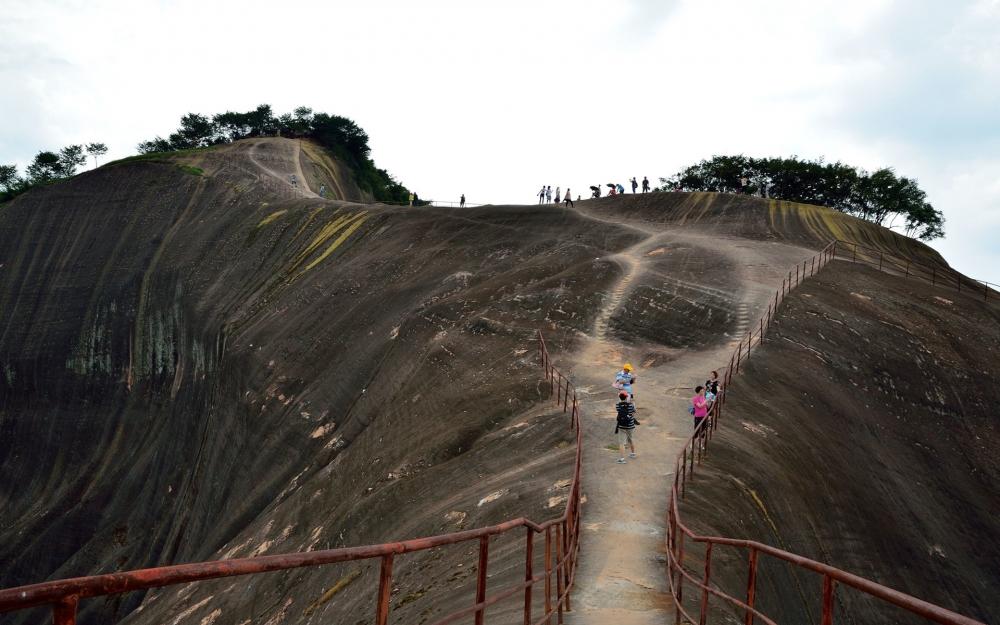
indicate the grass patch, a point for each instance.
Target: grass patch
{"x":194,"y":171}
{"x":162,"y":157}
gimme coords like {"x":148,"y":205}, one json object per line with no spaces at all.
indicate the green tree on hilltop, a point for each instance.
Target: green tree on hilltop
{"x":96,"y":149}
{"x":880,"y":197}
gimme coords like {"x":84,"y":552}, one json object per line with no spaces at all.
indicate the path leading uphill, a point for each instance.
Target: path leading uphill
{"x":621,"y":575}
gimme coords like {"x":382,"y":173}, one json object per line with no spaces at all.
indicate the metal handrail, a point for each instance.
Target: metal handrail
{"x":944,"y":276}
{"x":561,"y":552}
{"x":692,"y":455}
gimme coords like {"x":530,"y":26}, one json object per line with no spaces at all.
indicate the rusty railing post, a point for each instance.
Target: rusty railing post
{"x":680,"y":574}
{"x":552,"y":380}
{"x":796,"y":274}
{"x":484,"y":558}
{"x":565,"y":401}
{"x":529,"y":555}
{"x":64,"y":612}
{"x":751,"y":586}
{"x":548,"y":575}
{"x":812,"y":269}
{"x":827,"y":618}
{"x":384,"y":591}
{"x":703,"y":615}
{"x":560,"y":565}
{"x":739,"y":349}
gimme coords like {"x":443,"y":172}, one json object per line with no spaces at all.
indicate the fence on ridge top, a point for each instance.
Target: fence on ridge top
{"x":558,"y":556}
{"x":678,"y":534}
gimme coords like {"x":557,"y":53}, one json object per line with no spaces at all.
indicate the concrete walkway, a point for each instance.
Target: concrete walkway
{"x":621,"y":577}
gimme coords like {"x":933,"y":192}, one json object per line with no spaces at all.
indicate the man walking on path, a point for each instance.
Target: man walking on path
{"x":461,"y":201}
{"x":635,"y":185}
{"x":645,"y":184}
{"x":625,"y":426}
{"x":568,"y":201}
{"x":624,"y":380}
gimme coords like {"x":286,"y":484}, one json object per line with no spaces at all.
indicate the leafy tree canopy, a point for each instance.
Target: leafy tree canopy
{"x":881,"y":196}
{"x":341,"y":136}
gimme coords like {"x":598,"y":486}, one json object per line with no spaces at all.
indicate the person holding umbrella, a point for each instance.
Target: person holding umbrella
{"x":613,"y":187}
{"x":596,"y":190}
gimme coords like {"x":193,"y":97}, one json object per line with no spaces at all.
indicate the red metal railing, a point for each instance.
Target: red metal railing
{"x":905,"y":267}
{"x":561,"y":551}
{"x":678,"y":533}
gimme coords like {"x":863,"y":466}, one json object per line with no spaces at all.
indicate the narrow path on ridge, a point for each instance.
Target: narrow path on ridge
{"x":621,"y":576}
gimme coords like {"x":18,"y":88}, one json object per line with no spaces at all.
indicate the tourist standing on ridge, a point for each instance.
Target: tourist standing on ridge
{"x":624,"y":380}
{"x":548,"y":194}
{"x":699,"y":408}
{"x":411,"y":198}
{"x":635,"y":185}
{"x":621,"y":189}
{"x":645,"y":184}
{"x":322,"y":190}
{"x":568,"y":201}
{"x":541,"y":195}
{"x":557,"y":195}
{"x":461,"y":201}
{"x":625,"y":425}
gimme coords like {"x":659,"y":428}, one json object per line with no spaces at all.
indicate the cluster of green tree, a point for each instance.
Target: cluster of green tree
{"x":340,"y":136}
{"x":880,"y":196}
{"x":47,"y":167}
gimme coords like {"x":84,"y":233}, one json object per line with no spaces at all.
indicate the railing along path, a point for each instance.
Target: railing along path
{"x":678,"y":533}
{"x":936,"y":275}
{"x":561,"y":549}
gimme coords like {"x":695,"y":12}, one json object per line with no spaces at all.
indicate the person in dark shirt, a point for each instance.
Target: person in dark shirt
{"x":625,"y":426}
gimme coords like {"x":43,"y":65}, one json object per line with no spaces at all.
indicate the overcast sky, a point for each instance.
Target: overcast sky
{"x":495,"y":100}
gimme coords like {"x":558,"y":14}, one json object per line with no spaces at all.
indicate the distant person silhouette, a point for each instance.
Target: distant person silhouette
{"x":621,"y":190}
{"x":548,"y":194}
{"x":411,"y":198}
{"x":322,"y":190}
{"x":645,"y":184}
{"x":557,"y":195}
{"x":635,"y":185}
{"x":541,"y":195}
{"x":461,"y":201}
{"x":568,"y":201}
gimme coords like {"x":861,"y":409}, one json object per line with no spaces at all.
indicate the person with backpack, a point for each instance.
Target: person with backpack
{"x":635,"y":184}
{"x":624,"y":380}
{"x":568,"y":201}
{"x":645,"y":184}
{"x":699,"y":408}
{"x":625,"y":425}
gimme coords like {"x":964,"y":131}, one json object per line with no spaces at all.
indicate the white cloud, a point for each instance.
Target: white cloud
{"x":495,"y":99}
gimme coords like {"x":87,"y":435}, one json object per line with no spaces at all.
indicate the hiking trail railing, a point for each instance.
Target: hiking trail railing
{"x":692,"y":455}
{"x":561,"y":549}
{"x":936,"y":275}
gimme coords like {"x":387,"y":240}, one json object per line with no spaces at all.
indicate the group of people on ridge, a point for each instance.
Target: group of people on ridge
{"x":701,"y":406}
{"x":618,"y":189}
{"x":545,"y":196}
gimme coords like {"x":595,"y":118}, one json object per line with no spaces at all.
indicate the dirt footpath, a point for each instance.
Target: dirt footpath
{"x":621,"y":576}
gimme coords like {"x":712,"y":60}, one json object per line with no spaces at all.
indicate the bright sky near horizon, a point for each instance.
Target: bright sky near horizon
{"x":494,"y":100}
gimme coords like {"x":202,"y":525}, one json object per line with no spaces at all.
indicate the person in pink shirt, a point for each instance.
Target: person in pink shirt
{"x":700,"y":407}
